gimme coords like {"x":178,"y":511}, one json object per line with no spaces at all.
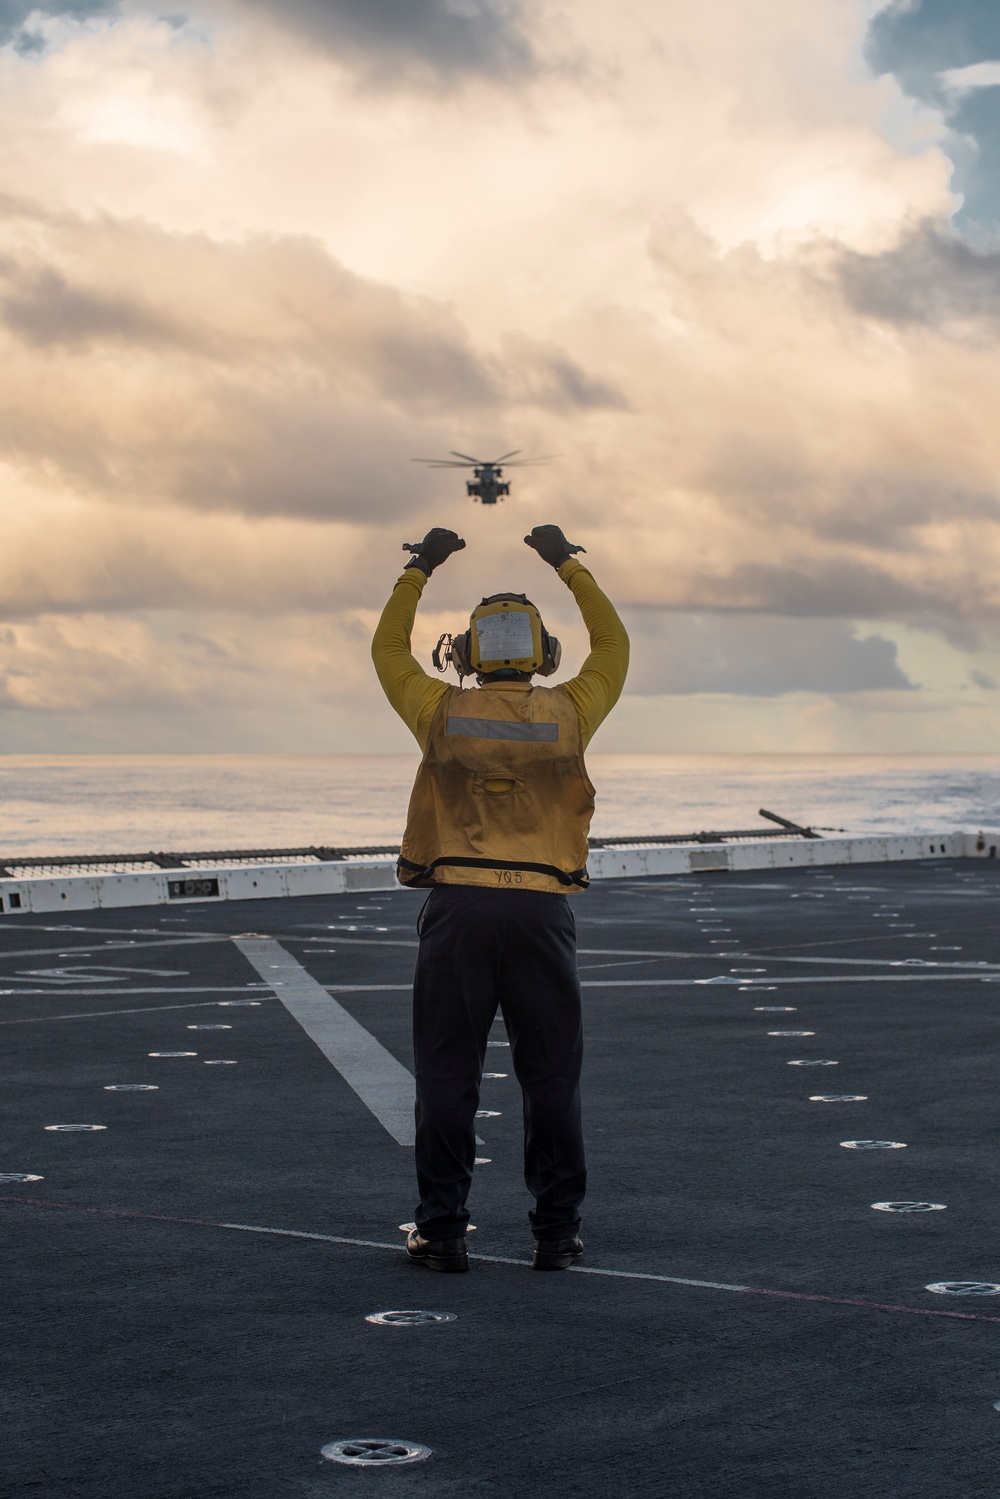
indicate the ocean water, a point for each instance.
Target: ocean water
{"x":131,"y":803}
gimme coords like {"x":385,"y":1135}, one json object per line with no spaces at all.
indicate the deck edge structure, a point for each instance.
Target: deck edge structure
{"x":268,"y":881}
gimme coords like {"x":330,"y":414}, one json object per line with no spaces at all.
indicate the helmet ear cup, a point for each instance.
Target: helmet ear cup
{"x":460,"y":647}
{"x":551,"y":655}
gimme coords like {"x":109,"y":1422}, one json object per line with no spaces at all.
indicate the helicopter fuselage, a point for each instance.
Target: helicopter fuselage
{"x":487,"y":485}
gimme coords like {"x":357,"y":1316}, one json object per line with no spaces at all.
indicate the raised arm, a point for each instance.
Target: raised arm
{"x":411,"y":691}
{"x":598,"y":685}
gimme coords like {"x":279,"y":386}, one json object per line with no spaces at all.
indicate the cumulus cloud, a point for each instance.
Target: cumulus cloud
{"x":14,"y":14}
{"x":259,"y":376}
{"x":946,"y":52}
{"x":238,"y":293}
{"x":438,"y":37}
{"x":166,"y":680}
{"x":87,"y":662}
{"x":922,"y":39}
{"x":932,"y":276}
{"x":757,"y":656}
{"x":391,"y":41}
{"x":976,"y":75}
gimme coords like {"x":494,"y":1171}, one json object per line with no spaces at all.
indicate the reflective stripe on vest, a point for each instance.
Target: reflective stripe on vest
{"x":493,"y":728}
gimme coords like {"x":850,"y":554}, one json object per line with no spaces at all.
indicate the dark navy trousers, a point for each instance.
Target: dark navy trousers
{"x":482,"y":950}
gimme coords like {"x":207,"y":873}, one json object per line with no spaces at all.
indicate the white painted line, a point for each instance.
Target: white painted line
{"x":621,"y":963}
{"x":352,"y":941}
{"x":114,"y":993}
{"x":363,"y":988}
{"x":804,"y":978}
{"x":496,"y":1259}
{"x":489,"y":1259}
{"x":669,"y":1280}
{"x":381,"y":1082}
{"x":291,"y":1233}
{"x":768,"y":957}
{"x":96,"y":946}
{"x":204,"y":1004}
{"x":656,"y":983}
{"x":638,"y":955}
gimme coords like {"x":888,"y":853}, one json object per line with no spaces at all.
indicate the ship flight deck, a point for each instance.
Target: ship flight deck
{"x":791,"y":1287}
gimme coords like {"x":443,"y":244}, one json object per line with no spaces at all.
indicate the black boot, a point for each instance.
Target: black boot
{"x":437,"y":1254}
{"x":556,"y":1254}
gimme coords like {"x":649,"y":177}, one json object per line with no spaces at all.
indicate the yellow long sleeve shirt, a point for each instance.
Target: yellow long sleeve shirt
{"x":415,"y":694}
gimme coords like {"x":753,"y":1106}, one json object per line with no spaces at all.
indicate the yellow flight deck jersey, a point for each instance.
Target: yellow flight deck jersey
{"x":502,"y":798}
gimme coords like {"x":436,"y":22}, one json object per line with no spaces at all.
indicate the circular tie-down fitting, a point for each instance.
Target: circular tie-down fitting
{"x":821,"y":1063}
{"x":774,"y":1009}
{"x":73,"y":1129}
{"x":909,"y":1207}
{"x":873,"y":1144}
{"x":838,"y":1098}
{"x":171,"y":1053}
{"x":410,"y":1319}
{"x":19,"y":1176}
{"x":371,"y":1452}
{"x":791,"y":1033}
{"x":964,"y":1288}
{"x":131,"y":1087}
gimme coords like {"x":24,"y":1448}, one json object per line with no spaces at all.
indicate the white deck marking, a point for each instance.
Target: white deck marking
{"x":910,"y":977}
{"x":366,"y":988}
{"x":92,"y":973}
{"x":950,"y":965}
{"x":64,"y":994}
{"x":497,"y":1259}
{"x":656,"y":983}
{"x":202,"y":1004}
{"x":96,"y":948}
{"x":354,"y":941}
{"x":637,"y":954}
{"x":380,"y":1081}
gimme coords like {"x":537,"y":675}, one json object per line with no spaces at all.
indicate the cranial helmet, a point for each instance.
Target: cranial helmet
{"x":505,"y":635}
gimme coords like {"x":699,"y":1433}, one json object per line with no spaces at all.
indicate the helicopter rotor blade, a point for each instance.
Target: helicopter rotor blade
{"x":504,"y":456}
{"x":526,"y":462}
{"x":441,"y":463}
{"x":478,"y":462}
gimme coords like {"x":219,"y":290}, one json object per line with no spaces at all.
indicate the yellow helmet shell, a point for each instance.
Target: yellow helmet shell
{"x":505,"y":632}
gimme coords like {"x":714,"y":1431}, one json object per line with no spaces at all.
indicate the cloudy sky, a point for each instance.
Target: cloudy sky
{"x":738,"y":264}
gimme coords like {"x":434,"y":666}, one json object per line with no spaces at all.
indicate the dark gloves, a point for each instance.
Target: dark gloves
{"x":551,"y":545}
{"x":436,"y":546}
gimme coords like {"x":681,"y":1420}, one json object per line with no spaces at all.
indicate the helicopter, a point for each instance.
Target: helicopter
{"x":487,"y":483}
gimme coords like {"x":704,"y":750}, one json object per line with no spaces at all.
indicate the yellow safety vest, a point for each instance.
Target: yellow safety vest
{"x":502,"y":798}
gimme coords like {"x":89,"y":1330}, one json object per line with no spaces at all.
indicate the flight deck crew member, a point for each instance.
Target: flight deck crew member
{"x":497,"y":831}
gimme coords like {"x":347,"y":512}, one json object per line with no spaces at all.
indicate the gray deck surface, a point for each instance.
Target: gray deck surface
{"x":152,"y":1351}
